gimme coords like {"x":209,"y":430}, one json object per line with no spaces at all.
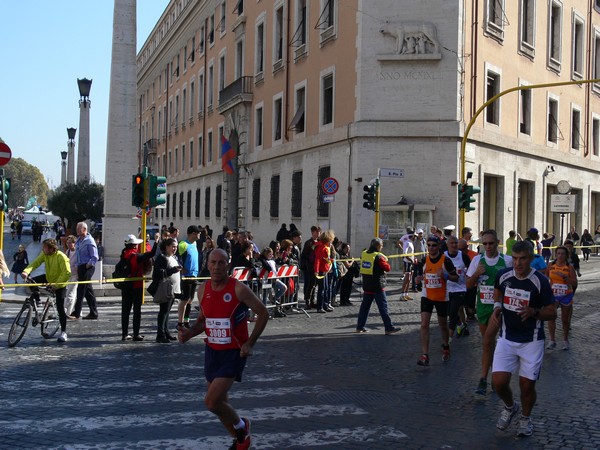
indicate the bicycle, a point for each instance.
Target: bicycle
{"x":47,"y":318}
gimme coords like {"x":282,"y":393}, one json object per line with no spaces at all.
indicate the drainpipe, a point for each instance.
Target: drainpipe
{"x":588,"y":88}
{"x":287,"y":73}
{"x":474,"y":38}
{"x":204,"y":91}
{"x":349,"y":214}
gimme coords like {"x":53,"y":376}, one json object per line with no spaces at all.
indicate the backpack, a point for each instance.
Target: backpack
{"x":122,"y":270}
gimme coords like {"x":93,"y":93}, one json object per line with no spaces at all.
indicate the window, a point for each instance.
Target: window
{"x":176,"y":122}
{"x":170,"y":114}
{"x":223,"y":20}
{"x":197,"y":204}
{"x":596,"y":65}
{"x":185,"y":58}
{"x":298,"y":120}
{"x":191,"y":154}
{"x":201,"y":93}
{"x":192,"y":99}
{"x":554,"y":35}
{"x":220,"y":135}
{"x":277,"y":117}
{"x":183,"y":160}
{"x":552,"y":120}
{"x":256,"y":198}
{"x":300,"y":34}
{"x":189,"y":204}
{"x":258,"y":127}
{"x":161,"y":131}
{"x":494,"y":23}
{"x":170,"y":165}
{"x":180,"y":206}
{"x":239,"y":8}
{"x":211,"y":30}
{"x":239,"y":59}
{"x":183,"y":105}
{"x":577,"y":47}
{"x":218,"y":205}
{"x":176,"y":159}
{"x":297,"y":194}
{"x":322,"y":207}
{"x":575,"y":128}
{"x":327,"y":96}
{"x":221,"y":72}
{"x":200,"y":151}
{"x":210,"y":86}
{"x":174,"y":205}
{"x":260,"y":48}
{"x":596,"y":136}
{"x":492,"y":112}
{"x":210,"y":146}
{"x":168,"y":204}
{"x":193,"y":52}
{"x":278,"y":33}
{"x":201,"y":45}
{"x":327,"y":21}
{"x":207,"y":202}
{"x":527,"y":26}
{"x":525,"y":112}
{"x":274,"y":204}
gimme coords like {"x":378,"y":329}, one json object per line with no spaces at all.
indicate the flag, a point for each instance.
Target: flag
{"x":227,"y":156}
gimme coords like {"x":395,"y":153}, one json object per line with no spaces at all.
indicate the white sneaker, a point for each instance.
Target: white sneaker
{"x":566,"y":345}
{"x":62,"y":337}
{"x":525,"y":427}
{"x":506,"y":416}
{"x":551,"y":345}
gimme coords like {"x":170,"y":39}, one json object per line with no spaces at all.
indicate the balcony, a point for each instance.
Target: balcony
{"x":240,"y":91}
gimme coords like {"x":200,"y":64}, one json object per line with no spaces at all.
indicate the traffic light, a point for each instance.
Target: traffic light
{"x":371,"y":195}
{"x":465,"y":196}
{"x":137,"y":190}
{"x":157,"y":187}
{"x":4,"y":190}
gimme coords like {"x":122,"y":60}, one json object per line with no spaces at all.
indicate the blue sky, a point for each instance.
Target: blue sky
{"x":44,"y":47}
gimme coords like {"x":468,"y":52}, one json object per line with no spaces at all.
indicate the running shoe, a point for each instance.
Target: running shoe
{"x":459,"y":330}
{"x":566,"y":345}
{"x":243,"y":436}
{"x":551,"y":345}
{"x":62,"y":337}
{"x":423,"y":360}
{"x":328,"y":308}
{"x":525,"y":426}
{"x":362,"y":330}
{"x":391,"y":331}
{"x":481,"y":387}
{"x":466,"y":331}
{"x":445,"y":353}
{"x":506,"y":416}
{"x":407,"y":297}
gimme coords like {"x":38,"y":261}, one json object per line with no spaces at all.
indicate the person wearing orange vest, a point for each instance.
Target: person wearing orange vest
{"x":563,"y":281}
{"x":224,"y":304}
{"x":437,"y":270}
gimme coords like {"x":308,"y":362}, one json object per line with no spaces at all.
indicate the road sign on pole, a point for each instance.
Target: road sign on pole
{"x":330,"y":186}
{"x":394,"y":173}
{"x":5,"y":154}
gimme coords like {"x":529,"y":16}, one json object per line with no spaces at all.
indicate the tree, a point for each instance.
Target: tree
{"x":77,"y":202}
{"x":25,"y":181}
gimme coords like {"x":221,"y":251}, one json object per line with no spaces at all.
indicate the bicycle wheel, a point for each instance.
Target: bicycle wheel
{"x":50,"y":323}
{"x":20,"y":324}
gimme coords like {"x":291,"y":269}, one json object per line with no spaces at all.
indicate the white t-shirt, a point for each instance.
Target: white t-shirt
{"x":408,"y":248}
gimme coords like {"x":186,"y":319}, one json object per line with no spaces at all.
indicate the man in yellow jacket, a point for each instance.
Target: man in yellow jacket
{"x":58,"y":272}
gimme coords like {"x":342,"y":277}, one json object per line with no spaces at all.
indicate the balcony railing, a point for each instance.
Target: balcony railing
{"x":240,"y":91}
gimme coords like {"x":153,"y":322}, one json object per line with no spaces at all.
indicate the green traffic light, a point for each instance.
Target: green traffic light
{"x":157,"y":187}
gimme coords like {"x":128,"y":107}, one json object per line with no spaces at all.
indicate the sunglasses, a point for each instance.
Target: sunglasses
{"x":488,"y":243}
{"x":432,"y":245}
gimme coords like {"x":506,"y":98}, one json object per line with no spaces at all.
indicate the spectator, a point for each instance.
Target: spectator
{"x":307,"y":259}
{"x":72,"y":287}
{"x":283,"y":233}
{"x":345,"y":284}
{"x":546,"y":244}
{"x":587,"y":242}
{"x":322,"y":266}
{"x":21,"y":260}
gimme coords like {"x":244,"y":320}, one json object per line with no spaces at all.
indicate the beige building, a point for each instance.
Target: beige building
{"x":306,"y":90}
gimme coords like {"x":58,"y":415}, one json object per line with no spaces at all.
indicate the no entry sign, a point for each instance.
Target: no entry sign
{"x":5,"y":154}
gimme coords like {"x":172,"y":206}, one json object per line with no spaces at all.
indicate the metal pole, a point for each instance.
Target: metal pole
{"x":463,"y":162}
{"x":377,"y":202}
{"x":562,"y":221}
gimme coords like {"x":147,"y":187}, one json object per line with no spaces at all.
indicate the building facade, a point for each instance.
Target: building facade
{"x":306,"y":90}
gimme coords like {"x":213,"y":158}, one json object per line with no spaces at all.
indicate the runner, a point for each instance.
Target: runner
{"x":457,"y":290}
{"x":563,"y":280}
{"x":522,"y":301}
{"x":437,"y":271}
{"x":224,"y":303}
{"x":482,"y":273}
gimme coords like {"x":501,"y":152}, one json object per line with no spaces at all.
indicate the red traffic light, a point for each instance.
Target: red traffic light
{"x":139,"y":180}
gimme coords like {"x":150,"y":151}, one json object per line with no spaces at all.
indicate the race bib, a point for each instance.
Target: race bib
{"x":433,"y":281}
{"x":560,"y":289}
{"x":486,"y":295}
{"x":515,"y":299}
{"x":218,"y":331}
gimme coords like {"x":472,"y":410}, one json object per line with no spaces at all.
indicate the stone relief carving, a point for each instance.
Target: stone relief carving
{"x":413,"y":41}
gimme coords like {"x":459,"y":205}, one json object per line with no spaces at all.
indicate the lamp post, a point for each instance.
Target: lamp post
{"x":71,"y":155}
{"x":83,"y":150}
{"x":63,"y":172}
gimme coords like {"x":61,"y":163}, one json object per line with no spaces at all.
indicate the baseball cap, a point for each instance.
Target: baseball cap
{"x":533,"y":231}
{"x":419,"y":231}
{"x":193,"y":229}
{"x":432,"y":238}
{"x":131,"y":239}
{"x":449,"y":228}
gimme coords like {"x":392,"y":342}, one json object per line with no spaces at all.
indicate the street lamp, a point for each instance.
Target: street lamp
{"x":84,"y":88}
{"x":71,"y":155}
{"x":63,"y":172}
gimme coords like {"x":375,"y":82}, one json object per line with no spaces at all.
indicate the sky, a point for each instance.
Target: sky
{"x":44,"y":48}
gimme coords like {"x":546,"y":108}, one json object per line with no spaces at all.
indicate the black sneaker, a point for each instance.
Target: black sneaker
{"x":423,"y":360}
{"x":481,"y":387}
{"x":243,"y":436}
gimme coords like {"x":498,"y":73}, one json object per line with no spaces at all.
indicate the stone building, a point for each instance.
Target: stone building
{"x":308,"y":90}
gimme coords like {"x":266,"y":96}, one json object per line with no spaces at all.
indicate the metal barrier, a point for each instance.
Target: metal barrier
{"x":262,"y":285}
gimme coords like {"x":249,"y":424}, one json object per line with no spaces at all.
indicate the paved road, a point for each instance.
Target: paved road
{"x":312,"y":384}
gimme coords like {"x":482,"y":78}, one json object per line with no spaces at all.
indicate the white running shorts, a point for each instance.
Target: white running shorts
{"x":527,"y":357}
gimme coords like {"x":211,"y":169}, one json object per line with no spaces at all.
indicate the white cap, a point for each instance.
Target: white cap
{"x":419,"y":231}
{"x":131,"y":239}
{"x":450,"y":228}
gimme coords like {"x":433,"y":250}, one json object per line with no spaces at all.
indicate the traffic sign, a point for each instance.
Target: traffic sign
{"x":328,"y":198}
{"x":138,"y":214}
{"x":562,"y":203}
{"x":330,"y":185}
{"x":5,"y":154}
{"x":394,"y":173}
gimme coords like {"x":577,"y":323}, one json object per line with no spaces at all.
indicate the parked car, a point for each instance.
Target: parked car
{"x":27,"y":229}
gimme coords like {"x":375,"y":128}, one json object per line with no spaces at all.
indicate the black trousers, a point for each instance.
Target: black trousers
{"x":163,"y":319}
{"x":346,"y":288}
{"x":131,"y":298}
{"x":85,"y":290}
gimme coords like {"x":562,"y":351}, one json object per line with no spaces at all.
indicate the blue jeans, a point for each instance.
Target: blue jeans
{"x":365,"y":307}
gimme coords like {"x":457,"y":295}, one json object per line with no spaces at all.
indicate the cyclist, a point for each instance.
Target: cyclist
{"x":58,"y":272}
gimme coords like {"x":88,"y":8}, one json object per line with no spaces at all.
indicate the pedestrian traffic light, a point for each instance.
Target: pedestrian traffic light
{"x":156,"y":186}
{"x":465,"y":196}
{"x":4,"y":190}
{"x":137,"y":190}
{"x":372,"y":191}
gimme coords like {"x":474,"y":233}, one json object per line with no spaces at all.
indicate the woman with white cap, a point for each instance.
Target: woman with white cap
{"x":131,"y":294}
